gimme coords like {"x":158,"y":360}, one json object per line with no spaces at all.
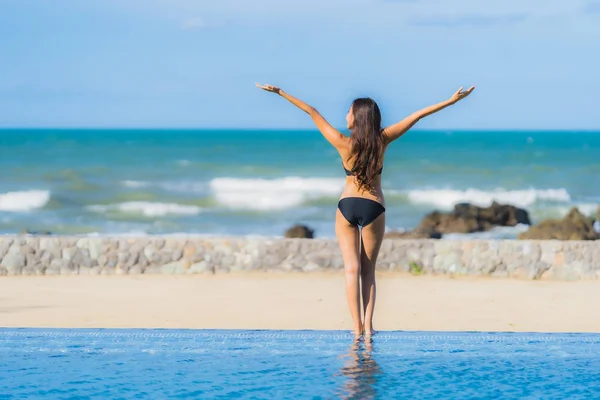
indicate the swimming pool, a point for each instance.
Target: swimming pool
{"x":156,"y":364}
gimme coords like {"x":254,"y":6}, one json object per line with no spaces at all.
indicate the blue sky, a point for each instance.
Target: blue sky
{"x":184,"y":63}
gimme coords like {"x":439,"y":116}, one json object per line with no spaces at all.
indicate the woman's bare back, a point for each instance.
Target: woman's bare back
{"x":352,"y":189}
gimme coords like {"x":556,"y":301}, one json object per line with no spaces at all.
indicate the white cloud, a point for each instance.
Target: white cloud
{"x":397,"y":12}
{"x":192,"y":23}
{"x":469,"y":20}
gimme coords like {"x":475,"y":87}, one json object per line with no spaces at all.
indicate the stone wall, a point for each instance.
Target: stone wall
{"x":56,"y":255}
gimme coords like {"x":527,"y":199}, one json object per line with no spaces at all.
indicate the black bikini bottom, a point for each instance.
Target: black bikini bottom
{"x":359,"y":211}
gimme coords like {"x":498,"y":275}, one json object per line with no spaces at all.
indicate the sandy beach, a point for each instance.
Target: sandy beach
{"x":296,"y":301}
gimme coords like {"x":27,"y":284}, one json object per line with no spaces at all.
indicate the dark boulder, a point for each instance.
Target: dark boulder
{"x":468,"y":218}
{"x":574,"y":226}
{"x":30,"y":232}
{"x":300,"y":232}
{"x":416,"y":234}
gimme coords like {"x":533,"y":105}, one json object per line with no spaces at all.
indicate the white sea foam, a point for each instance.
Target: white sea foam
{"x":24,"y":201}
{"x":447,"y":198}
{"x":135,"y":184}
{"x":148,"y":209}
{"x":587,"y":209}
{"x":266,"y":194}
{"x":175,"y":186}
{"x":499,"y":232}
{"x":183,"y":186}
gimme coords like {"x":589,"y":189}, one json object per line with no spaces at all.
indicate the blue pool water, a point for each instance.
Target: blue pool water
{"x":156,"y":364}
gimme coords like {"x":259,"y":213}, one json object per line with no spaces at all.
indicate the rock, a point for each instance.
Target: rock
{"x":176,"y":255}
{"x":68,"y":253}
{"x":149,"y":252}
{"x":14,"y":262}
{"x":50,"y":245}
{"x":311,"y":267}
{"x":108,"y":271}
{"x":153,"y":269}
{"x":29,"y":232}
{"x":221,"y":269}
{"x":52,"y":271}
{"x":89,"y":271}
{"x":4,"y":246}
{"x":163,"y":258}
{"x":111,"y":260}
{"x":123,"y":245}
{"x":122,"y":257}
{"x":81,"y":258}
{"x":202,"y":267}
{"x":69,"y":271}
{"x":93,"y":245}
{"x":175,"y":267}
{"x":59,"y":263}
{"x":132,"y":260}
{"x":102,"y":259}
{"x":136,"y":270}
{"x":142,"y":261}
{"x":30,"y":260}
{"x":27,"y":249}
{"x":40,"y":269}
{"x":28,"y":271}
{"x":121,"y":270}
{"x":415,"y":234}
{"x":468,"y":218}
{"x":299,"y":232}
{"x":45,"y":257}
{"x":574,"y":226}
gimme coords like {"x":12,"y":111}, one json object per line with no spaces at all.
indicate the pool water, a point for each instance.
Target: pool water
{"x":158,"y":364}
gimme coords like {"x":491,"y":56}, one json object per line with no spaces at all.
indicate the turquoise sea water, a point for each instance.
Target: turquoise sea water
{"x":187,"y":364}
{"x":261,"y":182}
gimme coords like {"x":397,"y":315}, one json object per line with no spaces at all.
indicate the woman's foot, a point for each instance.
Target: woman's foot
{"x":358,"y":331}
{"x":369,"y":331}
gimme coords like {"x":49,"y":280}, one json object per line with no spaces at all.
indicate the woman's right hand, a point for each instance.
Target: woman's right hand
{"x":269,"y":88}
{"x":460,"y":94}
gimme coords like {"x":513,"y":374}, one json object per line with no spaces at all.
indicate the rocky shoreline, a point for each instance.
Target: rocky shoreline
{"x":467,"y":218}
{"x":569,"y":249}
{"x":523,"y":259}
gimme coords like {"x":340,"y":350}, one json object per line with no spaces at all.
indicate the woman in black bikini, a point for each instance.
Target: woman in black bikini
{"x":360,"y":216}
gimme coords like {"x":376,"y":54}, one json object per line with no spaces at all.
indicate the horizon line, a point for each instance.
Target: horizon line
{"x":115,"y":128}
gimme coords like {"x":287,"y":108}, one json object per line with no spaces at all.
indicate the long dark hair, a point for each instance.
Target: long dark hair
{"x":367,"y":142}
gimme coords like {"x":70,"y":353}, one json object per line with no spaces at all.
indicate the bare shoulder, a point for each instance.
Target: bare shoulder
{"x":386,"y":138}
{"x":386,"y":143}
{"x":346,"y":142}
{"x":345,"y":147}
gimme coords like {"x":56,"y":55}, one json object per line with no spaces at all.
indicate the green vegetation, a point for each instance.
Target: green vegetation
{"x":415,"y":268}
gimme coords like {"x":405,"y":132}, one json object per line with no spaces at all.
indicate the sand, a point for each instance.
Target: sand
{"x":297,"y":301}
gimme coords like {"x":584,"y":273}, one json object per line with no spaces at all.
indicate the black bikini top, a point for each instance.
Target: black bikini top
{"x":349,"y":173}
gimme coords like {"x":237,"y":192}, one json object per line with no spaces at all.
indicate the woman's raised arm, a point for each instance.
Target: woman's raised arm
{"x":393,"y":132}
{"x":333,"y":136}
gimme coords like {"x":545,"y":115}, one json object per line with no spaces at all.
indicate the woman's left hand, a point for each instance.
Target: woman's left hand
{"x":461,"y":94}
{"x":269,"y":88}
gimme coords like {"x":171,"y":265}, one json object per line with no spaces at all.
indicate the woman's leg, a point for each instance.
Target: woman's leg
{"x":371,"y":239}
{"x":349,"y":239}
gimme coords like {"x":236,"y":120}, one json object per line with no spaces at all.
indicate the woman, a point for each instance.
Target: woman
{"x":360,"y":216}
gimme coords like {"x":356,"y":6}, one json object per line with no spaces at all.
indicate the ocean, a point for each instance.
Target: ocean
{"x":261,"y":182}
